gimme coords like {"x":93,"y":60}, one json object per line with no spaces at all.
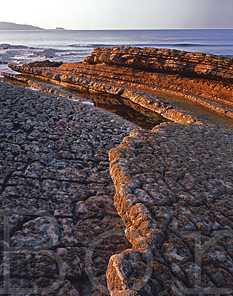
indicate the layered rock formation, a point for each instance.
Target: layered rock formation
{"x":174,"y":192}
{"x":168,"y":61}
{"x":200,"y":78}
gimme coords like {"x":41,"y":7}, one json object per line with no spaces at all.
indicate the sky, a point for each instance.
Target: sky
{"x":119,"y":14}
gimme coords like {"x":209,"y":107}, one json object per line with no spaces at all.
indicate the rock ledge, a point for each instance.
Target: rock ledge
{"x":174,"y":188}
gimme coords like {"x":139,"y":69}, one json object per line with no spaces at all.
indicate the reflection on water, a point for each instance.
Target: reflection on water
{"x":146,"y":122}
{"x":128,"y":110}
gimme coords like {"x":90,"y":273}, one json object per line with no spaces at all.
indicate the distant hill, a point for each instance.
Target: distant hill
{"x":13,"y":26}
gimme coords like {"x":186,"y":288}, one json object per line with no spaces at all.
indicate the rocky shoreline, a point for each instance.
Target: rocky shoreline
{"x":135,"y":73}
{"x":172,"y":186}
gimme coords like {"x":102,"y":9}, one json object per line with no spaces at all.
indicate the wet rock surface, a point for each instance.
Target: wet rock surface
{"x":131,"y":73}
{"x":56,"y":194}
{"x":174,"y":192}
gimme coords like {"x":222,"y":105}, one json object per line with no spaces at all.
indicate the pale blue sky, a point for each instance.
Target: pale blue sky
{"x":119,"y":14}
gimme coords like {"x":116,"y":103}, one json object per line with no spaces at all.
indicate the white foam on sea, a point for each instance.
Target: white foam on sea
{"x":88,"y":103}
{"x":32,"y":88}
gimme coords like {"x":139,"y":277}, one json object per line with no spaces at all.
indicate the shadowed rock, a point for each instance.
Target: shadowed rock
{"x":45,"y":63}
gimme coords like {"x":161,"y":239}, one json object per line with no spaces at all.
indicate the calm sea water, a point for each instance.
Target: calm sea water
{"x":73,"y":46}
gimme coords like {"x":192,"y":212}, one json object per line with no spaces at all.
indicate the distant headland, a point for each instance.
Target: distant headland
{"x":60,"y":28}
{"x":13,"y":26}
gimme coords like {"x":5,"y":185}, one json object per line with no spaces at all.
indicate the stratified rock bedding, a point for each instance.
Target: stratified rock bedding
{"x":56,"y":193}
{"x":174,"y":192}
{"x":200,"y":78}
{"x":166,"y":60}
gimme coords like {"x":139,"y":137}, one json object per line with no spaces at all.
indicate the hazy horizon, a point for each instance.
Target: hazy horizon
{"x":107,"y":29}
{"x":121,"y":15}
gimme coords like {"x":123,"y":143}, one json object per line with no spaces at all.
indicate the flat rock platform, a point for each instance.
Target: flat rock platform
{"x":56,"y":193}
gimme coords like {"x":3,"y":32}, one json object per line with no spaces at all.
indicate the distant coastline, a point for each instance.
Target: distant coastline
{"x":13,"y":26}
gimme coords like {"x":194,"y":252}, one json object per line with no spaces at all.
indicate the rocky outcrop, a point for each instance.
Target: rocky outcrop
{"x":43,"y":64}
{"x":168,"y":61}
{"x":202,"y":79}
{"x":4,"y":46}
{"x":174,"y":192}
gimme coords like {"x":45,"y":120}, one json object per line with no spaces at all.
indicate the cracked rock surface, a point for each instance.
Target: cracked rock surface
{"x":174,"y":192}
{"x":56,"y":194}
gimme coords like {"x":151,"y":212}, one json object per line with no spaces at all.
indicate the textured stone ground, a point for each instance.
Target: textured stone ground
{"x":56,"y":193}
{"x":174,"y":192}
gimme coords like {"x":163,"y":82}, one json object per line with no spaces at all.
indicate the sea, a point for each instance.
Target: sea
{"x":74,"y":45}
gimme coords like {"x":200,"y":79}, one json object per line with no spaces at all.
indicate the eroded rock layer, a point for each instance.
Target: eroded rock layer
{"x":166,"y":61}
{"x":201,"y":78}
{"x":174,"y":192}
